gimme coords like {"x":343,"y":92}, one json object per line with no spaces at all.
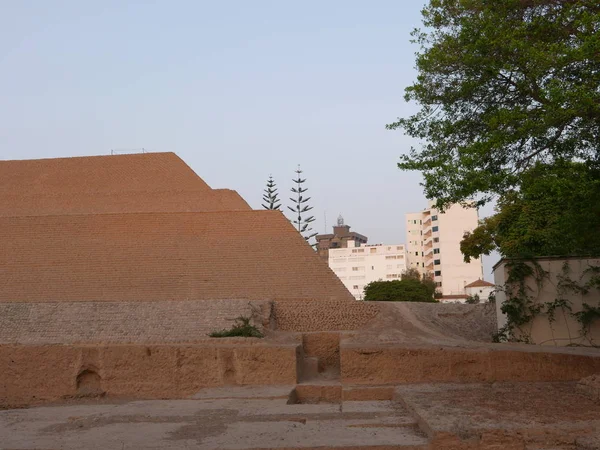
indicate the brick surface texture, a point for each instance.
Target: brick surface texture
{"x":122,"y":322}
{"x":144,"y":227}
{"x":254,"y":255}
{"x":151,"y":182}
{"x":306,"y":316}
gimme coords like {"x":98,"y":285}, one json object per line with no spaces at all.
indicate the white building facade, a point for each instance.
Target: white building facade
{"x":358,"y":266}
{"x":433,"y":246}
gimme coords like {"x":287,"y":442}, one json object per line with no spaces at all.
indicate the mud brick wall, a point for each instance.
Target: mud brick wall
{"x":322,"y":315}
{"x":151,"y":182}
{"x":399,"y":364}
{"x":30,"y":374}
{"x":253,"y":255}
{"x":122,"y":322}
{"x":325,"y":346}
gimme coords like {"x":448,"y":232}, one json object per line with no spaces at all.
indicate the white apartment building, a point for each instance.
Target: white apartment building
{"x":358,"y":266}
{"x":433,"y":246}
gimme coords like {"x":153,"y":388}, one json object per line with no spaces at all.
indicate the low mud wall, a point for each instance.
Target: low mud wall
{"x":123,"y":322}
{"x":398,"y":364}
{"x":322,"y":315}
{"x":35,"y":373}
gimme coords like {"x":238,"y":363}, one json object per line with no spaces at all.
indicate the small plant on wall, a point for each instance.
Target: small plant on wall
{"x":241,"y":328}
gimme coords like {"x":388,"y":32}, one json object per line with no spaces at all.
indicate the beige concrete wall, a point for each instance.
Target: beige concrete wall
{"x":35,"y":373}
{"x":564,"y":330}
{"x":442,"y":232}
{"x":456,"y":273}
{"x":356,"y":267}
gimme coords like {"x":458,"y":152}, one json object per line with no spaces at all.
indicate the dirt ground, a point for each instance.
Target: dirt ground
{"x":233,"y":418}
{"x":524,"y":416}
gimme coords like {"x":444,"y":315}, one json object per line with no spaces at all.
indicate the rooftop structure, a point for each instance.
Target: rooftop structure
{"x":341,"y":237}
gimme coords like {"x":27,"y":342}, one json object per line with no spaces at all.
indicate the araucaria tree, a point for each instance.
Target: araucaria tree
{"x":503,"y":85}
{"x":300,"y":208}
{"x":270,"y":195}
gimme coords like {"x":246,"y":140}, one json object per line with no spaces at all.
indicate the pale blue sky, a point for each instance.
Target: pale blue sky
{"x":239,"y":89}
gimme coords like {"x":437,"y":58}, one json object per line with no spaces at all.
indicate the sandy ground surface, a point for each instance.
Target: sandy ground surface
{"x":527,"y":416}
{"x":430,"y":323}
{"x":247,"y":418}
{"x":540,"y":415}
{"x":448,"y":324}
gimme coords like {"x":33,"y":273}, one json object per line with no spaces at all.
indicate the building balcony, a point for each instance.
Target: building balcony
{"x":427,"y":233}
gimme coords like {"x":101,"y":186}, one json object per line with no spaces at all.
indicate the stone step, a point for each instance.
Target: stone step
{"x":367,"y":393}
{"x":309,"y":368}
{"x":312,"y":393}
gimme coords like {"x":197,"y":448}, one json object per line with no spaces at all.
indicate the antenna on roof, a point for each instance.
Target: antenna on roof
{"x":122,"y":151}
{"x":340,"y":221}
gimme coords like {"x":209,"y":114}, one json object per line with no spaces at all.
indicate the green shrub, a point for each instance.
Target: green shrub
{"x":407,"y":290}
{"x":473,"y":299}
{"x":241,"y":328}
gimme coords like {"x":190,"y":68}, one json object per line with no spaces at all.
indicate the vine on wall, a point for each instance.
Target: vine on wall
{"x":521,"y":305}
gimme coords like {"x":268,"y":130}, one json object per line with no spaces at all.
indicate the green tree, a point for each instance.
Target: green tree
{"x":270,"y":197}
{"x":501,"y":85}
{"x":301,"y":220}
{"x":414,"y":274}
{"x":407,"y":290}
{"x":555,"y":212}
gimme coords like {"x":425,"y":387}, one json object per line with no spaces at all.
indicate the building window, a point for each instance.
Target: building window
{"x":373,"y":250}
{"x":436,"y":250}
{"x":422,"y":264}
{"x":372,"y":267}
{"x":414,"y":222}
{"x":433,"y":217}
{"x":438,"y":284}
{"x":422,"y":253}
{"x":354,"y":251}
{"x":420,"y":222}
{"x":389,"y":267}
{"x":391,"y":257}
{"x":355,"y":287}
{"x":399,"y":247}
{"x":437,"y":262}
{"x":361,"y":250}
{"x":434,"y":228}
{"x":416,"y":253}
{"x":438,"y":273}
{"x":436,"y":239}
